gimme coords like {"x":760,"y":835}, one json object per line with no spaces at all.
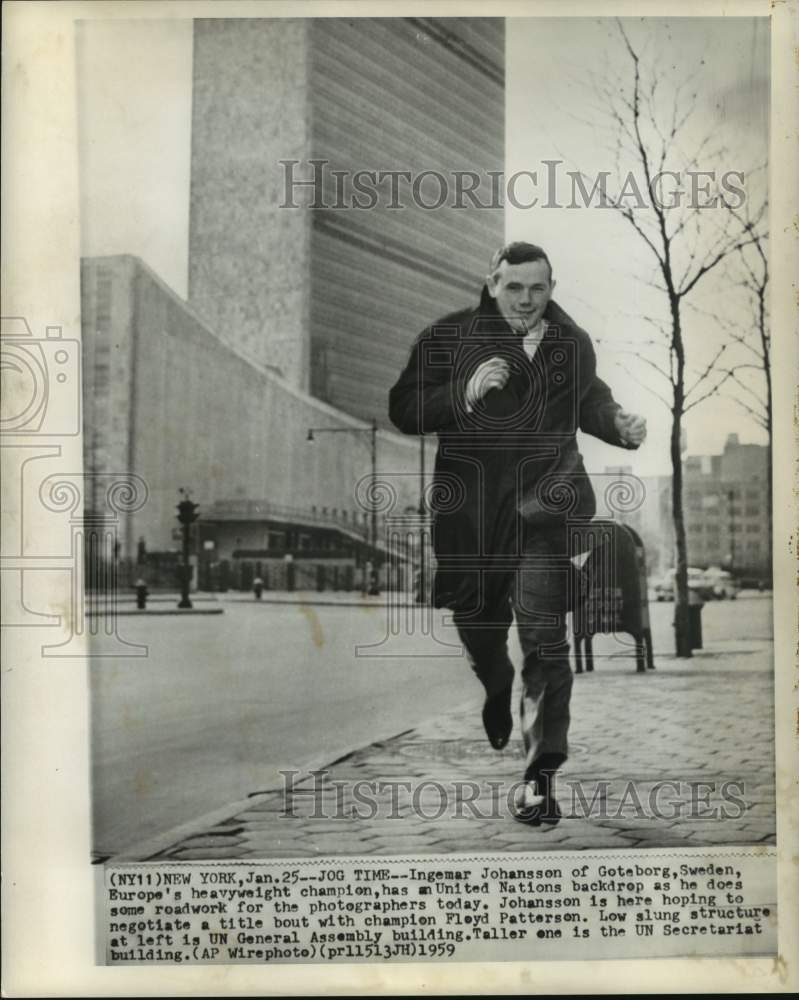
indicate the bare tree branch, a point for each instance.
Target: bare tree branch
{"x":709,"y":393}
{"x":651,"y":364}
{"x":731,"y":328}
{"x":706,"y":372}
{"x":643,"y":385}
{"x":650,"y":122}
{"x":759,"y":418}
{"x":749,"y":390}
{"x":713,"y":261}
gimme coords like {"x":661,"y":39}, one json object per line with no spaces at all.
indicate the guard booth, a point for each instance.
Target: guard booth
{"x":610,"y":594}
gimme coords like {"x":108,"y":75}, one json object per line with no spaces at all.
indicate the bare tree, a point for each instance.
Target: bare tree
{"x":756,"y":284}
{"x":650,"y":122}
{"x":750,"y":382}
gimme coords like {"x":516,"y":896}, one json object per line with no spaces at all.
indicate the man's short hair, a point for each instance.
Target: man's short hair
{"x":518,"y":253}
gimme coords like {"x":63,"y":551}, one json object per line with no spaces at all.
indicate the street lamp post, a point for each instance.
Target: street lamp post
{"x":421,"y":596}
{"x":187,"y":515}
{"x":731,"y":499}
{"x":374,"y":583}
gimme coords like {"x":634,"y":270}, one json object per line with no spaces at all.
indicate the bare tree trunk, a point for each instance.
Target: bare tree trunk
{"x":770,"y":473}
{"x":765,"y":348}
{"x":682,"y":635}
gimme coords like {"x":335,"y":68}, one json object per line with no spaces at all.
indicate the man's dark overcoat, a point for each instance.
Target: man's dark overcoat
{"x":510,"y":463}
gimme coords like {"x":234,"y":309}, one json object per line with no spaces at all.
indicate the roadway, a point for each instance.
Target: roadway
{"x":222,"y":703}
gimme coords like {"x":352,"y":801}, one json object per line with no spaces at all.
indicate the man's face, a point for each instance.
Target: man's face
{"x":521,"y":292}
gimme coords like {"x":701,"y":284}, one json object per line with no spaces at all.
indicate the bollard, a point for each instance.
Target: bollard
{"x":695,"y":605}
{"x":141,"y":594}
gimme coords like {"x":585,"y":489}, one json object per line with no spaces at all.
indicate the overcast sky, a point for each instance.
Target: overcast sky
{"x":135,"y":122}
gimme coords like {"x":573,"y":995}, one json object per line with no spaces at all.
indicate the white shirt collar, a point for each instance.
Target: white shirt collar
{"x":533,"y":337}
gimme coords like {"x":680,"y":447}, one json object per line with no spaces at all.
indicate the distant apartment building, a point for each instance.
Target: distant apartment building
{"x":726,"y":509}
{"x":725,"y":504}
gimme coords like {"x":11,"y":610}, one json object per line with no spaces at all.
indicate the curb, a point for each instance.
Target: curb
{"x":138,"y":612}
{"x":303,"y":602}
{"x":145,"y":849}
{"x":165,"y":599}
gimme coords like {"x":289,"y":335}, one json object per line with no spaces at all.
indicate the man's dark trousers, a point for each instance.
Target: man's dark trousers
{"x":538,"y":593}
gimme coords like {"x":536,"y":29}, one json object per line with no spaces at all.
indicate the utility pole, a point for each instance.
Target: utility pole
{"x":374,"y":583}
{"x":422,"y":595}
{"x":187,"y":515}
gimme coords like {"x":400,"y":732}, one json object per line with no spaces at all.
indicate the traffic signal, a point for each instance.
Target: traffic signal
{"x":187,"y":512}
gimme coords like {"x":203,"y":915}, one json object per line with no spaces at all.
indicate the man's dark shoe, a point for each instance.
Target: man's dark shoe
{"x":498,"y":719}
{"x":535,"y":803}
{"x":527,"y":804}
{"x":550,"y":811}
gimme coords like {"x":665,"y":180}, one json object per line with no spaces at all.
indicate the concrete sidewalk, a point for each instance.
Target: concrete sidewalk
{"x":332,"y":598}
{"x":652,"y":756}
{"x":319,"y":598}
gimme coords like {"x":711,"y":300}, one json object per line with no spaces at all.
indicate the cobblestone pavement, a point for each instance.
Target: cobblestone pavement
{"x":650,"y":756}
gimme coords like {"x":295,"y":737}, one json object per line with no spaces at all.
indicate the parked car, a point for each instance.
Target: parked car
{"x":664,"y":586}
{"x":722,"y":584}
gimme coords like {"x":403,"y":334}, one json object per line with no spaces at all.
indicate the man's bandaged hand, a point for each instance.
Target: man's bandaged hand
{"x":491,"y":374}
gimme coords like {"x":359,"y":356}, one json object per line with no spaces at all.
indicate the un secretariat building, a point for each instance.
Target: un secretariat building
{"x":301,"y":306}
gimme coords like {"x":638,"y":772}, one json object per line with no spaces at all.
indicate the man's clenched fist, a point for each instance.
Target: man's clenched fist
{"x":491,"y":374}
{"x":631,"y":427}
